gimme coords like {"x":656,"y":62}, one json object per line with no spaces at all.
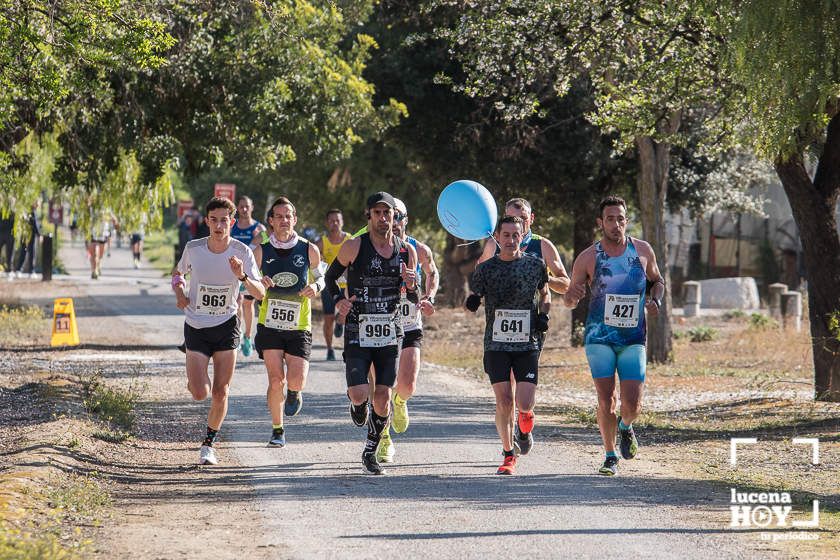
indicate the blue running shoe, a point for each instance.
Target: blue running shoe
{"x":294,"y":402}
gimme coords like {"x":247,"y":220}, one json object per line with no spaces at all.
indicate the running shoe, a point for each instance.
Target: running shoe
{"x":370,"y":463}
{"x":278,"y":438}
{"x":338,"y":331}
{"x":508,"y":466}
{"x":330,"y":355}
{"x":385,"y":451}
{"x":359,"y":413}
{"x":628,"y":443}
{"x":400,"y":419}
{"x":610,"y":466}
{"x":247,"y":346}
{"x":207,"y":456}
{"x":523,"y":441}
{"x":294,"y":402}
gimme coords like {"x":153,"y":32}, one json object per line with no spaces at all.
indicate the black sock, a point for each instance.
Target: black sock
{"x":210,"y":438}
{"x":376,"y":425}
{"x":508,"y":453}
{"x":290,"y":394}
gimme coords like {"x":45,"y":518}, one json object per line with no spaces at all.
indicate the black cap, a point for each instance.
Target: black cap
{"x":380,"y":198}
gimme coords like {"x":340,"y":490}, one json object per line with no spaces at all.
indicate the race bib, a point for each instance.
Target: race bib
{"x":408,"y":314}
{"x":512,"y":325}
{"x":376,"y":330}
{"x":213,"y":300}
{"x":282,"y":314}
{"x":621,"y":310}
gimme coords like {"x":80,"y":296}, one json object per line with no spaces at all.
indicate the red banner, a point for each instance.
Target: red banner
{"x":226,"y":190}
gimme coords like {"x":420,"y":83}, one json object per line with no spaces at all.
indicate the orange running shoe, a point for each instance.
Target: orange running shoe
{"x":508,"y":466}
{"x":526,"y":422}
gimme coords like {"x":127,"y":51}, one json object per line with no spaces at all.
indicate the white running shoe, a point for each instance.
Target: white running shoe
{"x":207,"y":456}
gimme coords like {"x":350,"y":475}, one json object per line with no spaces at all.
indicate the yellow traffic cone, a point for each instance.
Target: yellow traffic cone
{"x":64,"y":331}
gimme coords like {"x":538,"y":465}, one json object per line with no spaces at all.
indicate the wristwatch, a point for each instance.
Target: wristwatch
{"x":657,"y":301}
{"x":430,"y":299}
{"x":244,"y":277}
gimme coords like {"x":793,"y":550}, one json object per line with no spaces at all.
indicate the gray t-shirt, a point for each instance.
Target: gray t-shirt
{"x":213,"y":287}
{"x":509,"y":289}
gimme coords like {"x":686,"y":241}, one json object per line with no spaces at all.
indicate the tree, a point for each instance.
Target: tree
{"x":650,"y":64}
{"x":49,"y":52}
{"x":783,"y":55}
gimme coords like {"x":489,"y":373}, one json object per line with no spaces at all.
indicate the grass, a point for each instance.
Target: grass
{"x":79,"y":498}
{"x":19,"y":323}
{"x":759,"y":321}
{"x":157,"y":248}
{"x":115,"y":406}
{"x":112,"y":436}
{"x":701,"y":334}
{"x":51,"y":528}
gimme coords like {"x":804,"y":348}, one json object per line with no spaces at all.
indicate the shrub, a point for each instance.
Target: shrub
{"x":702,"y":334}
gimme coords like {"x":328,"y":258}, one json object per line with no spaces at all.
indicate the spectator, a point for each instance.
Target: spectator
{"x":7,"y":242}
{"x":27,"y":250}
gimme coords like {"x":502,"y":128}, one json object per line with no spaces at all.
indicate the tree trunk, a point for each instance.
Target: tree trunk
{"x":814,"y":204}
{"x":652,"y":184}
{"x":458,"y":265}
{"x":583,"y":236}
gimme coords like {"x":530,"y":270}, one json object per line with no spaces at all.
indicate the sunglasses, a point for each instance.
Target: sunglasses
{"x":399,"y":216}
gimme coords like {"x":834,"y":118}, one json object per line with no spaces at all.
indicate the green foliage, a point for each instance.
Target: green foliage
{"x":783,"y":55}
{"x":79,"y":497}
{"x":36,"y":544}
{"x":734,"y":314}
{"x":19,"y":321}
{"x":115,"y":406}
{"x":834,"y":324}
{"x":759,"y":321}
{"x":701,"y":334}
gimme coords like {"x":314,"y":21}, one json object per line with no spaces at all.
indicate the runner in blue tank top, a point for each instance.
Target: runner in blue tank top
{"x":249,"y":231}
{"x":617,"y":269}
{"x":532,"y":244}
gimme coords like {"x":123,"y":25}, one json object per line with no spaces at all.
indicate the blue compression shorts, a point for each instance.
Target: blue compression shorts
{"x":630,"y":361}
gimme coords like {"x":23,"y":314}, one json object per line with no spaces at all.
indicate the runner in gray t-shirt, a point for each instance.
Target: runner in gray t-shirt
{"x":216,"y":265}
{"x":515,"y":290}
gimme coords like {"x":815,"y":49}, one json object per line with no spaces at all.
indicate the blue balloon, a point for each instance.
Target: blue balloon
{"x":467,"y":210}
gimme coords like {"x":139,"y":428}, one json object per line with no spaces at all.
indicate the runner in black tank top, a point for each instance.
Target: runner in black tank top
{"x":377,"y":265}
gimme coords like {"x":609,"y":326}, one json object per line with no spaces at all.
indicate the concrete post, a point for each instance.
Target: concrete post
{"x":776,"y":291}
{"x":692,"y":298}
{"x":792,"y":310}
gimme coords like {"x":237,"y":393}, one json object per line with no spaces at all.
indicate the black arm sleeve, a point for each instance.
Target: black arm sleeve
{"x":334,"y":272}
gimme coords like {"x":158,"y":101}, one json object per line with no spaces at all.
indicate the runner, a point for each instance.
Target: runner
{"x":617,"y":269}
{"x":377,"y":264}
{"x":137,"y":245}
{"x":247,"y":230}
{"x":533,"y":244}
{"x":329,"y":246}
{"x":412,"y":322}
{"x":290,"y":266}
{"x":100,"y":233}
{"x":216,"y":266}
{"x":515,"y":323}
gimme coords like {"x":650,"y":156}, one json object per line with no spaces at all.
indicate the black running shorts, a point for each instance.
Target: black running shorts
{"x":357,"y":362}
{"x":413,"y":339}
{"x":525,"y":366}
{"x":294,"y":343}
{"x":213,"y":339}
